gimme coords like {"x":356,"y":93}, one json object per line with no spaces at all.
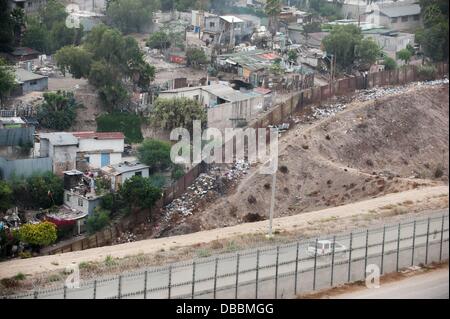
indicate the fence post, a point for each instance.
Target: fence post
{"x":65,"y":292}
{"x":315,"y":264}
{"x":296,"y":269}
{"x":413,"y":243}
{"x":428,"y":235}
{"x":366,"y":252}
{"x":169,"y":290}
{"x":145,"y":284}
{"x":350,"y":258}
{"x":442,"y":238}
{"x":398,"y":246}
{"x":382,"y":250}
{"x":95,"y":290}
{"x":237,"y":277}
{"x":193,"y":279}
{"x":215,"y":277}
{"x":257,"y":274}
{"x":35,"y":296}
{"x":276,"y":272}
{"x":332,"y":261}
{"x":119,"y":288}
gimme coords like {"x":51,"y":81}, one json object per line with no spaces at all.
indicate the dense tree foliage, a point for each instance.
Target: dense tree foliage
{"x":6,"y":196}
{"x":128,"y":124}
{"x":156,"y":154}
{"x":404,"y":55}
{"x":131,"y":15}
{"x":47,"y":32}
{"x":434,"y":36}
{"x":98,"y":220}
{"x":58,"y":111}
{"x":109,"y":60}
{"x":7,"y":80}
{"x":195,"y":57}
{"x":139,"y":192}
{"x":38,"y":191}
{"x":346,"y":43}
{"x":177,"y":112}
{"x":389,"y":63}
{"x":41,"y":234}
{"x":159,"y":40}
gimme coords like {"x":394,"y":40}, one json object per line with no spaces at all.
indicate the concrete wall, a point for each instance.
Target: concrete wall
{"x":225,"y":115}
{"x":35,"y":85}
{"x":64,"y":158}
{"x":24,"y":167}
{"x":90,"y":144}
{"x":95,"y":159}
{"x":391,"y":45}
{"x":80,"y":203}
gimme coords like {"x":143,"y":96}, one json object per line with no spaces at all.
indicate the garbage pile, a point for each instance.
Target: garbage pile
{"x":326,"y":110}
{"x":126,"y":237}
{"x":204,"y":186}
{"x":376,"y":93}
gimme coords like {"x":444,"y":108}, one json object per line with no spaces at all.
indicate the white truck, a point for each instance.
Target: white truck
{"x":325,"y":248}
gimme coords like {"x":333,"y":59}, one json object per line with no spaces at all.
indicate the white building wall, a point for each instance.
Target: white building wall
{"x":79,"y":202}
{"x":90,"y":144}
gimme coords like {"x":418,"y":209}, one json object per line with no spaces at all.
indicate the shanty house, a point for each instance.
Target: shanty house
{"x":398,"y":15}
{"x":120,"y":172}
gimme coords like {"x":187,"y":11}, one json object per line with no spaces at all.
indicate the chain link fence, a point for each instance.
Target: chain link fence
{"x":276,"y":271}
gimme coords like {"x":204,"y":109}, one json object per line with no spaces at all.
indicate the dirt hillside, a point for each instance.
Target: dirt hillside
{"x":370,"y":149}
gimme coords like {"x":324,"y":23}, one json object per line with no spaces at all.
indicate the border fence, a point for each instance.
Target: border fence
{"x":281,"y":271}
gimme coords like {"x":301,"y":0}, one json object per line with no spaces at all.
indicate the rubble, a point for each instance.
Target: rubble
{"x":206,"y":184}
{"x":326,"y":110}
{"x":126,"y":237}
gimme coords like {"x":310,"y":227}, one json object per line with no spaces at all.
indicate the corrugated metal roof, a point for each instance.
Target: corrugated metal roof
{"x":399,"y":9}
{"x":23,"y":75}
{"x":253,"y":60}
{"x":124,"y":167}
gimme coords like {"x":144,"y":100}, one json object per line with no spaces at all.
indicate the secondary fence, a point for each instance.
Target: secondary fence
{"x":277,"y":271}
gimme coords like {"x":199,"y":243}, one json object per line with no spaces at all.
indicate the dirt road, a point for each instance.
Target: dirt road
{"x":289,"y":223}
{"x":430,"y":285}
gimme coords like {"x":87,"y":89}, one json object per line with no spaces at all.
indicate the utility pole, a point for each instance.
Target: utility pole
{"x":272,"y":204}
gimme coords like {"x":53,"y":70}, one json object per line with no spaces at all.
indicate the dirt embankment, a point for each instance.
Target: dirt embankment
{"x":370,"y":149}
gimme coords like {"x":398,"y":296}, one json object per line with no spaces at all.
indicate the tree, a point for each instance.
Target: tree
{"x":36,"y":36}
{"x":292,"y":56}
{"x":310,"y":28}
{"x":158,"y":40}
{"x":58,"y":111}
{"x":98,"y":220}
{"x":404,"y":55}
{"x":195,"y":57}
{"x":7,"y":80}
{"x":177,"y":112}
{"x":368,"y":52}
{"x":41,"y":234}
{"x":342,"y":42}
{"x":273,"y":10}
{"x":434,"y":37}
{"x":6,"y":196}
{"x":6,"y":26}
{"x":139,"y":192}
{"x":74,"y":60}
{"x":53,"y":12}
{"x":131,"y":15}
{"x":389,"y":63}
{"x":38,"y":191}
{"x":155,"y":153}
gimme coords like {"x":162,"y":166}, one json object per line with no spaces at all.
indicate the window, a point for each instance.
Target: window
{"x":416,"y":17}
{"x":394,"y":20}
{"x":80,"y":202}
{"x":405,"y":19}
{"x":138,"y":174}
{"x":86,"y":158}
{"x":33,"y":82}
{"x":68,"y":197}
{"x":212,"y":24}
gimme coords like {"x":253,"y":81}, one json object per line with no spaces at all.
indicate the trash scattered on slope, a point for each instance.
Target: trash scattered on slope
{"x":207,"y":184}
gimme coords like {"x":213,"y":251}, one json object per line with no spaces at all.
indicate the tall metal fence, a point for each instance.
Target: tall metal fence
{"x":277,"y":271}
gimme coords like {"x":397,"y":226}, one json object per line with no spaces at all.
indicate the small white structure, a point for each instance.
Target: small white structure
{"x":95,"y":149}
{"x":100,"y":149}
{"x":119,"y":173}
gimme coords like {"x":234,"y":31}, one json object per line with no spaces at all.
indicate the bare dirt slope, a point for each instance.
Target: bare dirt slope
{"x":370,"y":149}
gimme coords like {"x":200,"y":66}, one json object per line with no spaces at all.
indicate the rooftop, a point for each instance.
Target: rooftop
{"x":23,"y":75}
{"x":124,"y":167}
{"x":253,"y":60}
{"x":12,"y":120}
{"x":60,"y":138}
{"x":24,"y":51}
{"x":231,"y":19}
{"x":99,"y":135}
{"x":399,"y":9}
